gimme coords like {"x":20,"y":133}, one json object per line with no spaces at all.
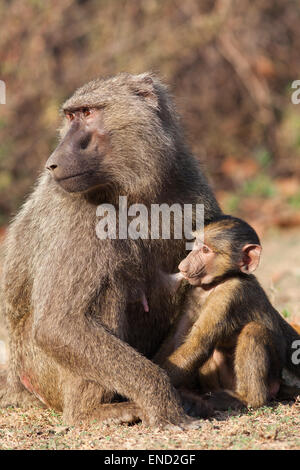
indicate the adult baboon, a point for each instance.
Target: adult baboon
{"x":79,"y":334}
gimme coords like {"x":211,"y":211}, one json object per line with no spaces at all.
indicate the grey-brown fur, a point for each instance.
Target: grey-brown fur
{"x":74,"y":330}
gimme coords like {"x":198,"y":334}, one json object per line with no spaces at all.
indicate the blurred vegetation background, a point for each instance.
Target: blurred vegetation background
{"x":229,"y":64}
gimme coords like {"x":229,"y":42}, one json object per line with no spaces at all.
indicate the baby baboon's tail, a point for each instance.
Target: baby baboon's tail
{"x":293,"y":349}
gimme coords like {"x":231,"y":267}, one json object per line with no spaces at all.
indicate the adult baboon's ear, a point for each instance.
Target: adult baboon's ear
{"x":250,"y":258}
{"x":143,"y":85}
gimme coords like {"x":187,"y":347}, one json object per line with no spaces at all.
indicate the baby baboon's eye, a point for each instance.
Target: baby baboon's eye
{"x":205,"y":249}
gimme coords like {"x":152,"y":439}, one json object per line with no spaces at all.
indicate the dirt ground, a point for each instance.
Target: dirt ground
{"x":273,"y":427}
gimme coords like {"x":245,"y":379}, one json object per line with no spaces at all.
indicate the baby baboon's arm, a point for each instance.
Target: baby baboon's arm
{"x":211,"y":328}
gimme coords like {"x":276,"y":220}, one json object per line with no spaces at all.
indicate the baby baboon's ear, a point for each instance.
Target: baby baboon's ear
{"x":250,"y":258}
{"x":143,"y":85}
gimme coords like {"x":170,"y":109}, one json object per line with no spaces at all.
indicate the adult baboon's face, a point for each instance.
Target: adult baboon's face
{"x":76,"y":162}
{"x":120,"y":132}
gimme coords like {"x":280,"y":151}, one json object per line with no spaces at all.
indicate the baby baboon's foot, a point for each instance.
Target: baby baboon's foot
{"x":223,"y":400}
{"x":194,"y":405}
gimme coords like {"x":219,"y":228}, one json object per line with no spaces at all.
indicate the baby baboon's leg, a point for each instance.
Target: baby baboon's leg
{"x":257,"y":365}
{"x":209,"y":376}
{"x":217,"y":372}
{"x":87,"y":401}
{"x":216,"y":378}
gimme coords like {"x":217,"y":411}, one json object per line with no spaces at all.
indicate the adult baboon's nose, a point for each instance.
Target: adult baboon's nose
{"x":51,"y":167}
{"x":51,"y":164}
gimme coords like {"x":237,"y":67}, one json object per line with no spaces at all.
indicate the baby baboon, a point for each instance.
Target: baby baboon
{"x":228,"y":330}
{"x":78,"y":333}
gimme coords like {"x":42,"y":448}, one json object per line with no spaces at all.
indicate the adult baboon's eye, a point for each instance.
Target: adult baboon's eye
{"x":70,"y":116}
{"x":205,"y":249}
{"x":86,"y":112}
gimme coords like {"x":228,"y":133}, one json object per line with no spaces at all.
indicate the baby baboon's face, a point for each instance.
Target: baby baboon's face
{"x":230,"y":246}
{"x":199,"y":266}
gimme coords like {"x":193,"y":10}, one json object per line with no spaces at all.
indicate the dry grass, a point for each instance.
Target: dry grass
{"x":275,"y":427}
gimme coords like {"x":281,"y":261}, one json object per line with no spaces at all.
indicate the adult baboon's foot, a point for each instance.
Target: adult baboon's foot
{"x":86,"y":402}
{"x":16,"y":395}
{"x":3,"y":378}
{"x":184,"y":424}
{"x":19,"y":399}
{"x":108,"y":413}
